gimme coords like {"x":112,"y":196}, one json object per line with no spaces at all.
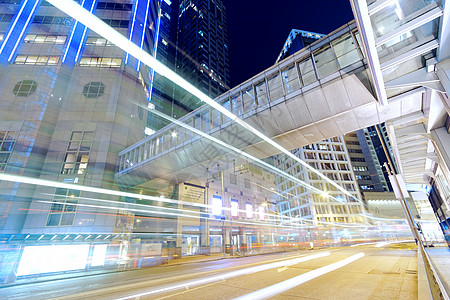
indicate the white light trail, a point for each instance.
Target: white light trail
{"x":283,"y":286}
{"x":229,"y":275}
{"x":96,"y":24}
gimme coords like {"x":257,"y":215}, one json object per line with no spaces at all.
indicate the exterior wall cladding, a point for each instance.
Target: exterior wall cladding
{"x":68,"y":107}
{"x":202,"y":34}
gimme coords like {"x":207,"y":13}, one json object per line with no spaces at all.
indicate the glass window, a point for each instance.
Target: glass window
{"x":77,"y":154}
{"x":236,"y":105}
{"x":307,"y":71}
{"x":93,"y":89}
{"x":346,"y":50}
{"x":62,"y":210}
{"x":25,"y":88}
{"x":325,"y":62}
{"x":290,"y":79}
{"x":275,"y":88}
{"x":248,"y":99}
{"x":20,"y":59}
{"x":261,"y":94}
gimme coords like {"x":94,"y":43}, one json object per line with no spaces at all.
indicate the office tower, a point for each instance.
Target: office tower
{"x":297,"y":40}
{"x":330,"y":157}
{"x":203,"y":48}
{"x":365,"y":163}
{"x":70,"y":101}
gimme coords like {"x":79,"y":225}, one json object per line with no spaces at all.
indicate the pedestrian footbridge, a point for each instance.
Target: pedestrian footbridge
{"x":325,"y":90}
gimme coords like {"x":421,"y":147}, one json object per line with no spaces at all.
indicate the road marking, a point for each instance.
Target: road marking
{"x":246,"y":271}
{"x":282,"y":269}
{"x":283,"y":286}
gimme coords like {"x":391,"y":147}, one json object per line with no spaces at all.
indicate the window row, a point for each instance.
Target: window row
{"x":53,"y":20}
{"x":45,"y":39}
{"x":103,"y":62}
{"x":7,"y":142}
{"x":36,"y":60}
{"x":77,"y":153}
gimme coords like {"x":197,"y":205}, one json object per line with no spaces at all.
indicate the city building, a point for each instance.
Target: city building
{"x":71,"y":101}
{"x":366,"y":166}
{"x":297,"y":40}
{"x":203,"y":44}
{"x":331,"y":158}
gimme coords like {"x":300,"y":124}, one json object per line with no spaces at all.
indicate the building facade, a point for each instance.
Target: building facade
{"x":331,"y":158}
{"x":70,"y":101}
{"x":202,"y":38}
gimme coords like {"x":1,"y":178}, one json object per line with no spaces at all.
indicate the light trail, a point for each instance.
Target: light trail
{"x":96,"y":24}
{"x":229,"y":275}
{"x":283,"y":286}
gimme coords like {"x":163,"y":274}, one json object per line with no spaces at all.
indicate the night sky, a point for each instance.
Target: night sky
{"x":257,"y":29}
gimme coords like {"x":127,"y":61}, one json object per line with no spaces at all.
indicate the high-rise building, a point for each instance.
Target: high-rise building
{"x":331,"y":158}
{"x":365,"y":164}
{"x":202,"y":55}
{"x":297,"y":40}
{"x":70,"y":101}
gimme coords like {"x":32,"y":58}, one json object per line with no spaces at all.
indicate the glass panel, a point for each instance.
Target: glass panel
{"x":249,"y":99}
{"x":227,"y":105}
{"x":261,"y":94}
{"x":216,"y":118}
{"x":346,"y":50}
{"x":206,"y":120}
{"x":307,"y":72}
{"x":325,"y":62}
{"x":290,"y":79}
{"x":275,"y":88}
{"x":236,"y":104}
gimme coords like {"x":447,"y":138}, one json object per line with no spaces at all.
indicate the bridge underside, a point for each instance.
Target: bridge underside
{"x":342,"y":104}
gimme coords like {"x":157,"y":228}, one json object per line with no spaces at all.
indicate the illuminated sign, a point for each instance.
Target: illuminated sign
{"x":216,"y":205}
{"x":249,"y":210}
{"x":234,"y":208}
{"x":261,"y":213}
{"x":52,"y":258}
{"x":99,"y":255}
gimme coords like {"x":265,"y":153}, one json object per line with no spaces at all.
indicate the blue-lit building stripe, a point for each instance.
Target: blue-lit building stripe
{"x":132,"y":28}
{"x":155,"y":50}
{"x":13,"y":25}
{"x":143,"y":32}
{"x":70,"y":39}
{"x":30,"y":16}
{"x":78,"y":36}
{"x":84,"y":33}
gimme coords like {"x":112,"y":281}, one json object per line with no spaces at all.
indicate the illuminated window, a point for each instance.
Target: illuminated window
{"x":45,"y":39}
{"x":77,"y":154}
{"x":93,"y":89}
{"x":7,"y":142}
{"x":102,"y":62}
{"x":36,"y":60}
{"x":216,"y":205}
{"x":234,"y":208}
{"x":63,"y":209}
{"x":249,"y":210}
{"x":98,"y":42}
{"x":25,"y":88}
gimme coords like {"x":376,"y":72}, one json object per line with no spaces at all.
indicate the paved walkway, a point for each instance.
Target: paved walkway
{"x":440,"y":257}
{"x":179,"y":261}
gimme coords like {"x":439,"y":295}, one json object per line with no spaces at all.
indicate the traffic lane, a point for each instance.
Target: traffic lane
{"x":389,"y":273}
{"x":380,"y":274}
{"x":151,"y":275}
{"x":174,"y":283}
{"x":237,"y":286}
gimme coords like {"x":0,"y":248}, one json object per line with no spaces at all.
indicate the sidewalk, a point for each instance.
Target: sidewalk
{"x":440,"y":257}
{"x":179,"y":261}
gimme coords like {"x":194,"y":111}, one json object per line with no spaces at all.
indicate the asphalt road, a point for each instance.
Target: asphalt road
{"x":362,"y":272}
